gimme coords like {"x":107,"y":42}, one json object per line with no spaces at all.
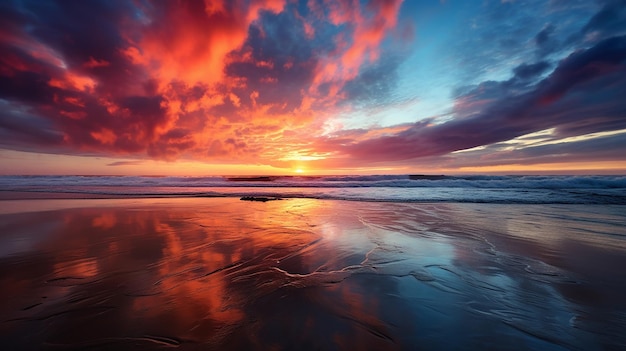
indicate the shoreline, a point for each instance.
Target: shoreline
{"x":59,"y":195}
{"x":426,"y":189}
{"x":419,"y":196}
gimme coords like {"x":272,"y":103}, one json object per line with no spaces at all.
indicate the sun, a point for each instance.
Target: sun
{"x":299,"y":170}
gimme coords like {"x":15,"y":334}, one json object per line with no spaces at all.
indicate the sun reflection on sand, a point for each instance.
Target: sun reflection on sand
{"x":230,"y":274}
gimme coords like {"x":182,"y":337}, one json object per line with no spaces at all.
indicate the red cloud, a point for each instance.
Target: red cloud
{"x":201,"y":79}
{"x":189,"y":41}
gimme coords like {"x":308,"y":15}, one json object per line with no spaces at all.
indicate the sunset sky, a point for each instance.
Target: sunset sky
{"x":312,"y":86}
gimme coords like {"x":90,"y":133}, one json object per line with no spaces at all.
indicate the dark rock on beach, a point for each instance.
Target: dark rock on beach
{"x":258,"y":198}
{"x":426,"y":177}
{"x":251,"y":179}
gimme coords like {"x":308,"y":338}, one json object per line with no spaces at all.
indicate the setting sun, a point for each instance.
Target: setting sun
{"x":313,"y":174}
{"x":309,"y":86}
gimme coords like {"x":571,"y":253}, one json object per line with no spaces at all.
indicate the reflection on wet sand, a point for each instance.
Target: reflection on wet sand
{"x":203,"y":274}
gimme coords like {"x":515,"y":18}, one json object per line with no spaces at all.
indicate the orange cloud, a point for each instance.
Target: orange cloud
{"x":370,"y":25}
{"x":227,"y":81}
{"x":189,"y":41}
{"x":93,"y":63}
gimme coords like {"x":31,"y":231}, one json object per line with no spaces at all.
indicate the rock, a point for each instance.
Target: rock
{"x":258,"y":198}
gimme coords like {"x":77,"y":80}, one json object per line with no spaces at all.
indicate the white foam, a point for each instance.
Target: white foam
{"x":485,"y":189}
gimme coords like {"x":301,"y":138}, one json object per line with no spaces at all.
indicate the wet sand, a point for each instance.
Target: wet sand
{"x":300,"y":274}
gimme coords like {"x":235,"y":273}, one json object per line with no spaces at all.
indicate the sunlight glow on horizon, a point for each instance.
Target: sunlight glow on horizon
{"x":312,"y":86}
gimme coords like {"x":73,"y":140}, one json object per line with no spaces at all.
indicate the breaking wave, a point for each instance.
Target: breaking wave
{"x":398,"y":188}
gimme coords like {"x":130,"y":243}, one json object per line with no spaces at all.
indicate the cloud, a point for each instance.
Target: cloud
{"x":263,"y":81}
{"x":545,"y":41}
{"x":368,"y":25}
{"x":609,"y":20}
{"x":530,"y":70}
{"x":604,"y":59}
{"x":210,"y":80}
{"x":578,"y":97}
{"x":125,"y":163}
{"x":24,"y":131}
{"x":374,"y":85}
{"x":594,"y":150}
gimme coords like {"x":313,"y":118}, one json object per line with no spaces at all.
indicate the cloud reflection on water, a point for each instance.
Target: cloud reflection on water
{"x":309,"y":274}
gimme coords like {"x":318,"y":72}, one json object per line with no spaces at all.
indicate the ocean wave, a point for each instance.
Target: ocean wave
{"x":375,"y":181}
{"x":393,"y":188}
{"x":380,"y":194}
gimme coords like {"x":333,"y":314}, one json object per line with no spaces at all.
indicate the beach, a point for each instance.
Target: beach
{"x":312,"y":175}
{"x":221,"y":273}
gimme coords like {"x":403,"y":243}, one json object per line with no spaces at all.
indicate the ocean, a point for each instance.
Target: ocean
{"x":390,"y":188}
{"x":331,"y":263}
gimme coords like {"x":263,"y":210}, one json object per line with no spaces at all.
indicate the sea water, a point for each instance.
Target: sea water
{"x":395,"y":188}
{"x":335,"y":263}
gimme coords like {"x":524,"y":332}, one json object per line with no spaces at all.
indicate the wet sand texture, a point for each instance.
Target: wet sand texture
{"x":219,"y":274}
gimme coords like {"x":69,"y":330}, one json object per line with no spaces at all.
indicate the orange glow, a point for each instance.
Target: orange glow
{"x":196,"y":269}
{"x":181,"y":56}
{"x":192,"y":48}
{"x":93,"y":63}
{"x":577,"y":167}
{"x":73,"y":115}
{"x":221,"y":87}
{"x":73,"y":81}
{"x":105,"y":136}
{"x":368,"y":34}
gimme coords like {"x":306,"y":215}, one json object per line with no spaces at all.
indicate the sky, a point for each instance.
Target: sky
{"x":241,"y":87}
